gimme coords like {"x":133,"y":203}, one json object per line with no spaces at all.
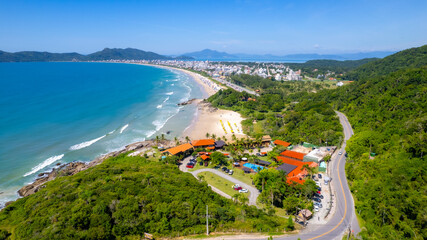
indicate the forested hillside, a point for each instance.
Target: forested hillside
{"x":127,"y":196}
{"x":410,"y":58}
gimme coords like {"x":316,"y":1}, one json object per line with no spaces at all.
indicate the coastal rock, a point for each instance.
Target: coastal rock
{"x":189,"y":102}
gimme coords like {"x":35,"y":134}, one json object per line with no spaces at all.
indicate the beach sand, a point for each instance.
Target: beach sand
{"x":208,"y":120}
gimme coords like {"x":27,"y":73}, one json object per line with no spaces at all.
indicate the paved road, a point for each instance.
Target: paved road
{"x":236,"y":87}
{"x":344,"y":217}
{"x":253,"y":192}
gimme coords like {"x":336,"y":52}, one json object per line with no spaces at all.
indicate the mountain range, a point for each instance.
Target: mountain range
{"x":208,"y":54}
{"x":105,"y":54}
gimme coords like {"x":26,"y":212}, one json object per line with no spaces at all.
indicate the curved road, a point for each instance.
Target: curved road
{"x":253,"y":192}
{"x":344,"y":217}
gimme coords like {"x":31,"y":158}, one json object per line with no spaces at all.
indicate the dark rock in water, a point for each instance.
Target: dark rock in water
{"x":168,"y":132}
{"x":187,"y":102}
{"x":58,"y":164}
{"x":41,"y":174}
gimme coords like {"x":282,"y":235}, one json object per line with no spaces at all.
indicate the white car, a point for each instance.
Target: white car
{"x":316,"y":208}
{"x":340,"y":153}
{"x":244,"y":190}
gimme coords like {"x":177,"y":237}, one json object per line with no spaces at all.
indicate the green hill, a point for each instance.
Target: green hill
{"x":410,"y":58}
{"x":105,"y":54}
{"x":127,"y":196}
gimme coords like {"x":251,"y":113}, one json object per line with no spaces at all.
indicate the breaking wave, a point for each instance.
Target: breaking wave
{"x":86,"y":144}
{"x":44,"y":164}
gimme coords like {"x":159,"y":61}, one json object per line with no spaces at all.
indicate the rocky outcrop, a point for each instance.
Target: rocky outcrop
{"x":75,"y":167}
{"x":194,"y":100}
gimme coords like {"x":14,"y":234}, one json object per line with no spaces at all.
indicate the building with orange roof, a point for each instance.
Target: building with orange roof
{"x":203,"y":143}
{"x":204,"y":157}
{"x":292,"y":154}
{"x":296,"y":174}
{"x":282,"y":143}
{"x":183,"y":148}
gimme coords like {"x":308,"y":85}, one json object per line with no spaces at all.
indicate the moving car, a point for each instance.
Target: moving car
{"x":340,"y":153}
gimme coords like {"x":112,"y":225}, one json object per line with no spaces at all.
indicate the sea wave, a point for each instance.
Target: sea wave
{"x":169,"y":93}
{"x":124,"y":127}
{"x":86,"y":144}
{"x":150,"y":133}
{"x":44,"y":164}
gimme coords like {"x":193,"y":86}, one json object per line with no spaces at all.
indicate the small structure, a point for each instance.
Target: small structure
{"x":262,"y":162}
{"x":181,"y":149}
{"x":281,"y":143}
{"x":266,"y":140}
{"x":246,"y":170}
{"x":314,"y":156}
{"x":219,"y":144}
{"x":292,"y":154}
{"x":202,"y":143}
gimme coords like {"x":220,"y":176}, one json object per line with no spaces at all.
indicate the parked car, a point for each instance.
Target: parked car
{"x":201,"y":163}
{"x":318,"y":195}
{"x":319,"y":176}
{"x":316,"y":199}
{"x":316,"y":208}
{"x":217,"y":166}
{"x":190,"y":166}
{"x":206,"y":164}
{"x":238,"y":188}
{"x":340,"y":153}
{"x":226,"y":170}
{"x":319,"y":189}
{"x":230,"y":172}
{"x":319,"y":192}
{"x":243,"y":190}
{"x":223,"y":168}
{"x":317,"y":204}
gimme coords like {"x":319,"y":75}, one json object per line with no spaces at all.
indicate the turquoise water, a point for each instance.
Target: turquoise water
{"x":253,"y":166}
{"x":61,"y":112}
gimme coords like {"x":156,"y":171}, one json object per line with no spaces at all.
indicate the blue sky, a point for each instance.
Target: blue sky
{"x":240,"y":26}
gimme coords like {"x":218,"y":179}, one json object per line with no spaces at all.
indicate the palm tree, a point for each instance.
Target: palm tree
{"x":233,"y":137}
{"x":187,"y":138}
{"x":157,"y":139}
{"x":213,"y":136}
{"x":163,"y":136}
{"x":176,"y":141}
{"x":224,"y":138}
{"x":310,"y":170}
{"x":207,"y":135}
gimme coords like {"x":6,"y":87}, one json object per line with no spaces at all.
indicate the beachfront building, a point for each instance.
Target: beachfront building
{"x":183,"y":149}
{"x":219,"y":144}
{"x":204,"y":143}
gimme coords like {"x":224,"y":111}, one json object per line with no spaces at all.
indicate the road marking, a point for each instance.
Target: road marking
{"x":345,"y":203}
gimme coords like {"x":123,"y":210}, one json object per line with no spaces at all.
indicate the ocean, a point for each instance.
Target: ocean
{"x":62,"y":112}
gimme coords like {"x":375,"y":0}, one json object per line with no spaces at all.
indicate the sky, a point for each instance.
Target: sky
{"x":233,"y":26}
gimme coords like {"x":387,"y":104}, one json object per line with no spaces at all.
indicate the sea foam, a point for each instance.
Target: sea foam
{"x":44,"y":164}
{"x":86,"y":144}
{"x":124,"y":128}
{"x":169,"y":93}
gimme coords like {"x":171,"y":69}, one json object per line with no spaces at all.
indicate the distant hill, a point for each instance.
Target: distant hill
{"x":105,"y":54}
{"x":410,"y":58}
{"x":208,"y":54}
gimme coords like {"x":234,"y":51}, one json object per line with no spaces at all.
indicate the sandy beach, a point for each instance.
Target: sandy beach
{"x":222,"y":123}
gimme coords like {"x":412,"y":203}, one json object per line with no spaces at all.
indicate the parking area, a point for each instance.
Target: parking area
{"x":321,"y":204}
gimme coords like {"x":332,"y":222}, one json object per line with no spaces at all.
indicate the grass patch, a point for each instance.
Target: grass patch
{"x":242,"y":176}
{"x":220,"y":183}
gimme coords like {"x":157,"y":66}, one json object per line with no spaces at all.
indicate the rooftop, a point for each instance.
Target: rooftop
{"x":179,"y":149}
{"x":203,"y":142}
{"x":280,"y":142}
{"x":293,"y":154}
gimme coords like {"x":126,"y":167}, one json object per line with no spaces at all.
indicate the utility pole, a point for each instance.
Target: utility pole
{"x":207,"y":221}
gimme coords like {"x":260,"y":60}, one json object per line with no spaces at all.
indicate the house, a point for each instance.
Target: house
{"x":219,"y":144}
{"x":294,"y":155}
{"x":203,"y":143}
{"x":265,"y":140}
{"x":340,"y":84}
{"x":281,"y":143}
{"x":185,"y":149}
{"x":296,"y":174}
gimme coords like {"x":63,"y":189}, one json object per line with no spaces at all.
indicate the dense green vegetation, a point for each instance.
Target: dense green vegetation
{"x":410,"y":58}
{"x":276,"y":192}
{"x":273,"y":114}
{"x":328,"y":66}
{"x":127,"y":196}
{"x":388,"y":115}
{"x":387,"y":108}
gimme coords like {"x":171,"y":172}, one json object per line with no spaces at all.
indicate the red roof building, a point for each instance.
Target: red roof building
{"x":282,"y":143}
{"x":298,"y":174}
{"x":293,"y":154}
{"x":203,"y":143}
